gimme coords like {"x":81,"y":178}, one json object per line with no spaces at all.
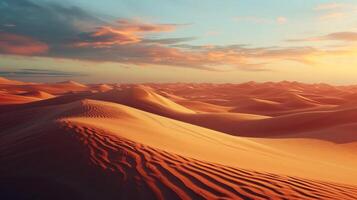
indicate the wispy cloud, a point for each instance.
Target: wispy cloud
{"x":281,"y":20}
{"x":341,"y":36}
{"x":168,"y":41}
{"x":73,"y":33}
{"x":261,"y":20}
{"x":29,"y":72}
{"x":337,"y":36}
{"x":333,"y":16}
{"x":334,"y":11}
{"x":330,"y":6}
{"x":21,"y":45}
{"x":122,"y":32}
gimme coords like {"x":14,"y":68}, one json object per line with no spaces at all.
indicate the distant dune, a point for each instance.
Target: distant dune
{"x":38,"y":94}
{"x":4,"y":81}
{"x":6,"y":98}
{"x":143,"y":97}
{"x":178,"y":141}
{"x":101,"y":87}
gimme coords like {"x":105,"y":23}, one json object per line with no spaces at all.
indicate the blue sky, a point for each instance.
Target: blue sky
{"x":227,"y":41}
{"x":231,"y":20}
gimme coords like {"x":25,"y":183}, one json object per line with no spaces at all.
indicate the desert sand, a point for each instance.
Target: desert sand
{"x":284,"y":140}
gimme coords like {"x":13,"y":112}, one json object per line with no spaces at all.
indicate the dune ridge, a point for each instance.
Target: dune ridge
{"x":38,"y":94}
{"x":284,"y":140}
{"x":147,"y":99}
{"x":5,"y":81}
{"x":169,"y":176}
{"x":122,"y":158}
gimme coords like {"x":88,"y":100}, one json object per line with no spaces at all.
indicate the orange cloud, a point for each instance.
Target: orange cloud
{"x":342,"y":36}
{"x":131,"y":42}
{"x":217,"y":58}
{"x":136,"y":26}
{"x":337,"y":36}
{"x":107,"y":36}
{"x":21,"y":45}
{"x":124,"y":32}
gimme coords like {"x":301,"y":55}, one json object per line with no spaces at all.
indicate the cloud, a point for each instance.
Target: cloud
{"x":137,"y":26}
{"x":51,"y":23}
{"x":261,"y":20}
{"x":168,"y":41}
{"x":207,"y":57}
{"x":29,"y":72}
{"x":73,"y":33}
{"x":281,"y":20}
{"x":337,"y":36}
{"x":335,"y":11}
{"x":123,"y":32}
{"x":333,"y":16}
{"x":342,"y":36}
{"x":329,"y":6}
{"x":20,"y":45}
{"x":105,"y":37}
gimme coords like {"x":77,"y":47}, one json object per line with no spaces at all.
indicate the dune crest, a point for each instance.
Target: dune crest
{"x":6,"y":99}
{"x":135,"y":151}
{"x":38,"y":94}
{"x":5,"y":81}
{"x":142,"y":97}
{"x":178,"y":141}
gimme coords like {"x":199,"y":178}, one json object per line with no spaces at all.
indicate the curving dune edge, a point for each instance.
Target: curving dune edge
{"x":111,"y":142}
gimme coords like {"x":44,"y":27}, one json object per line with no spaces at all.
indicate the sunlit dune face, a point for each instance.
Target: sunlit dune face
{"x":208,"y":135}
{"x":21,"y":45}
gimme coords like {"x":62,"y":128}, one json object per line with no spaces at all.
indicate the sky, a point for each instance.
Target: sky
{"x":226,"y":41}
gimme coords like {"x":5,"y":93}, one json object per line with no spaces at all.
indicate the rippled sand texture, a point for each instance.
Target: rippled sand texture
{"x":281,"y":140}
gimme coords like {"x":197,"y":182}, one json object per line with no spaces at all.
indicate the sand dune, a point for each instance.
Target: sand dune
{"x":135,"y":151}
{"x":143,"y":97}
{"x":147,"y":99}
{"x":258,"y":106}
{"x":178,"y":141}
{"x":62,"y":87}
{"x":171,"y":96}
{"x":299,"y":101}
{"x":297,"y":123}
{"x":101,"y":87}
{"x":6,"y":99}
{"x":199,"y":106}
{"x":4,"y":81}
{"x":71,"y":84}
{"x":38,"y":94}
{"x":51,"y":88}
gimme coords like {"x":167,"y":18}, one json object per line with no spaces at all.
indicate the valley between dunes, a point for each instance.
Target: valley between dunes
{"x":284,"y":140}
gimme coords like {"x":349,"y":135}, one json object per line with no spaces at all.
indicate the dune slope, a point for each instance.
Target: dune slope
{"x":145,"y":98}
{"x":6,"y":99}
{"x":93,"y":149}
{"x":38,"y":94}
{"x":68,"y":140}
